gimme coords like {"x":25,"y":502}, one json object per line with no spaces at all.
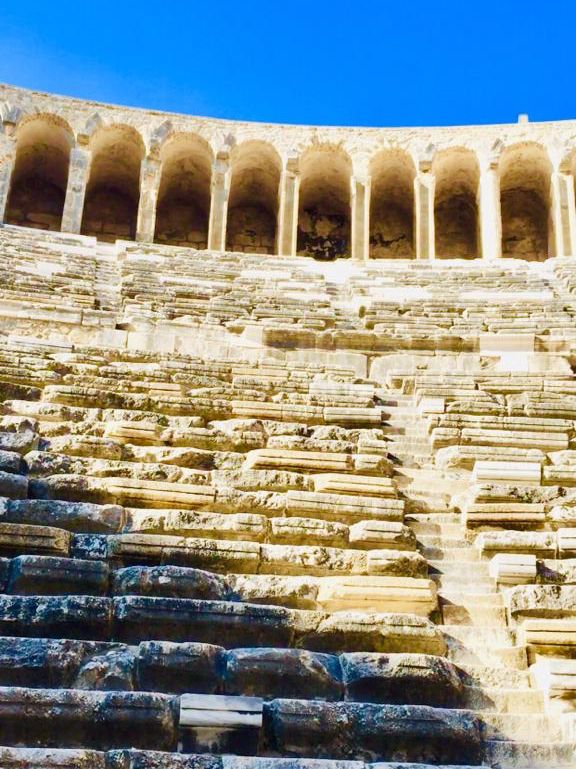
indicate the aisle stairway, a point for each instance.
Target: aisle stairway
{"x":240,"y":532}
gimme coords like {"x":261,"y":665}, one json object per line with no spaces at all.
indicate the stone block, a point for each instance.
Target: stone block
{"x":402,"y":679}
{"x":291,"y":673}
{"x":214,"y":622}
{"x":13,"y":486}
{"x":542,"y":543}
{"x":548,"y":635}
{"x":19,"y":537}
{"x":411,"y":734}
{"x":45,"y":575}
{"x":68,"y":718}
{"x":556,"y":679}
{"x":545,"y":601}
{"x":341,"y":483}
{"x":163,"y":666}
{"x":302,"y":461}
{"x":513,"y":568}
{"x":362,"y":631}
{"x":344,"y":507}
{"x":378,"y":594}
{"x":382,"y":535}
{"x":169,"y":582}
{"x":81,"y":617}
{"x":521,"y":472}
{"x":72,"y":516}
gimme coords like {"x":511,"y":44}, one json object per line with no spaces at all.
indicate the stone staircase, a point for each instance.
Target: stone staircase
{"x":240,"y":532}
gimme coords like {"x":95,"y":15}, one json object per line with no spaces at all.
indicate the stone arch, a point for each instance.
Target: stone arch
{"x":324,"y":206}
{"x":392,"y":173}
{"x":113,"y":191}
{"x":456,"y":219}
{"x":40,"y":175}
{"x":183,"y":208}
{"x":525,"y":171}
{"x":252,"y":219}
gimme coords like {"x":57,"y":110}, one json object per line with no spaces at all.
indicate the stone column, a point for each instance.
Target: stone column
{"x":288,"y":209}
{"x":563,"y":213}
{"x":424,"y":188}
{"x":219,"y":202}
{"x":360,"y":218}
{"x":78,"y":174}
{"x":150,"y":172}
{"x":490,"y":213}
{"x":6,"y":168}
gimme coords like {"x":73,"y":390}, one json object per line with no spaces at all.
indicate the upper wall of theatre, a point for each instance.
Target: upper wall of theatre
{"x":361,"y":144}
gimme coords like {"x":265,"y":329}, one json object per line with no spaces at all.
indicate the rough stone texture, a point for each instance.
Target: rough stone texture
{"x":265,"y":510}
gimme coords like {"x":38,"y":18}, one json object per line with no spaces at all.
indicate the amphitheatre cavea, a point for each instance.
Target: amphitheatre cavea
{"x":287,"y":442}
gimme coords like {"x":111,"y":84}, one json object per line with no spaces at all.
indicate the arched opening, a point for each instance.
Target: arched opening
{"x":392,"y":206}
{"x":113,"y":192}
{"x":525,"y":202}
{"x":253,"y":203}
{"x":183,"y":208}
{"x":324,"y":209}
{"x":456,"y":204}
{"x":40,"y":175}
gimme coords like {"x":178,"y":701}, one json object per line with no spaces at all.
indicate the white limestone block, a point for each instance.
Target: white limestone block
{"x":513,"y":568}
{"x":521,"y":472}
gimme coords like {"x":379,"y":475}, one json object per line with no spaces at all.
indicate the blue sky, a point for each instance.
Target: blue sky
{"x":304,"y":61}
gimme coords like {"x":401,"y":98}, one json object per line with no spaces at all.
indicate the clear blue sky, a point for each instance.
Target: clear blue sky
{"x":361,"y":62}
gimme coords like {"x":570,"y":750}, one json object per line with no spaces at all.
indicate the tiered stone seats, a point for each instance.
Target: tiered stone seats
{"x":268,"y":515}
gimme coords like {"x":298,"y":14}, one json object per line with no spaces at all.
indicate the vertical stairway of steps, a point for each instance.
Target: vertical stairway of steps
{"x":471,"y":611}
{"x":108,"y":273}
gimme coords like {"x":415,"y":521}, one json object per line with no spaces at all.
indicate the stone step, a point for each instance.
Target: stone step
{"x":505,"y":657}
{"x":522,"y":727}
{"x":478,"y":617}
{"x":441,"y":525}
{"x":489,"y":637}
{"x":513,"y":701}
{"x":462,"y":555}
{"x":442,"y":540}
{"x":454,"y":582}
{"x":494,"y":677}
{"x":508,"y":754}
{"x":467,"y":571}
{"x":472,"y":601}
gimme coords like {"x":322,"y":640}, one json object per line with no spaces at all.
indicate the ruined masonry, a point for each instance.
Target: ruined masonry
{"x":263,"y":506}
